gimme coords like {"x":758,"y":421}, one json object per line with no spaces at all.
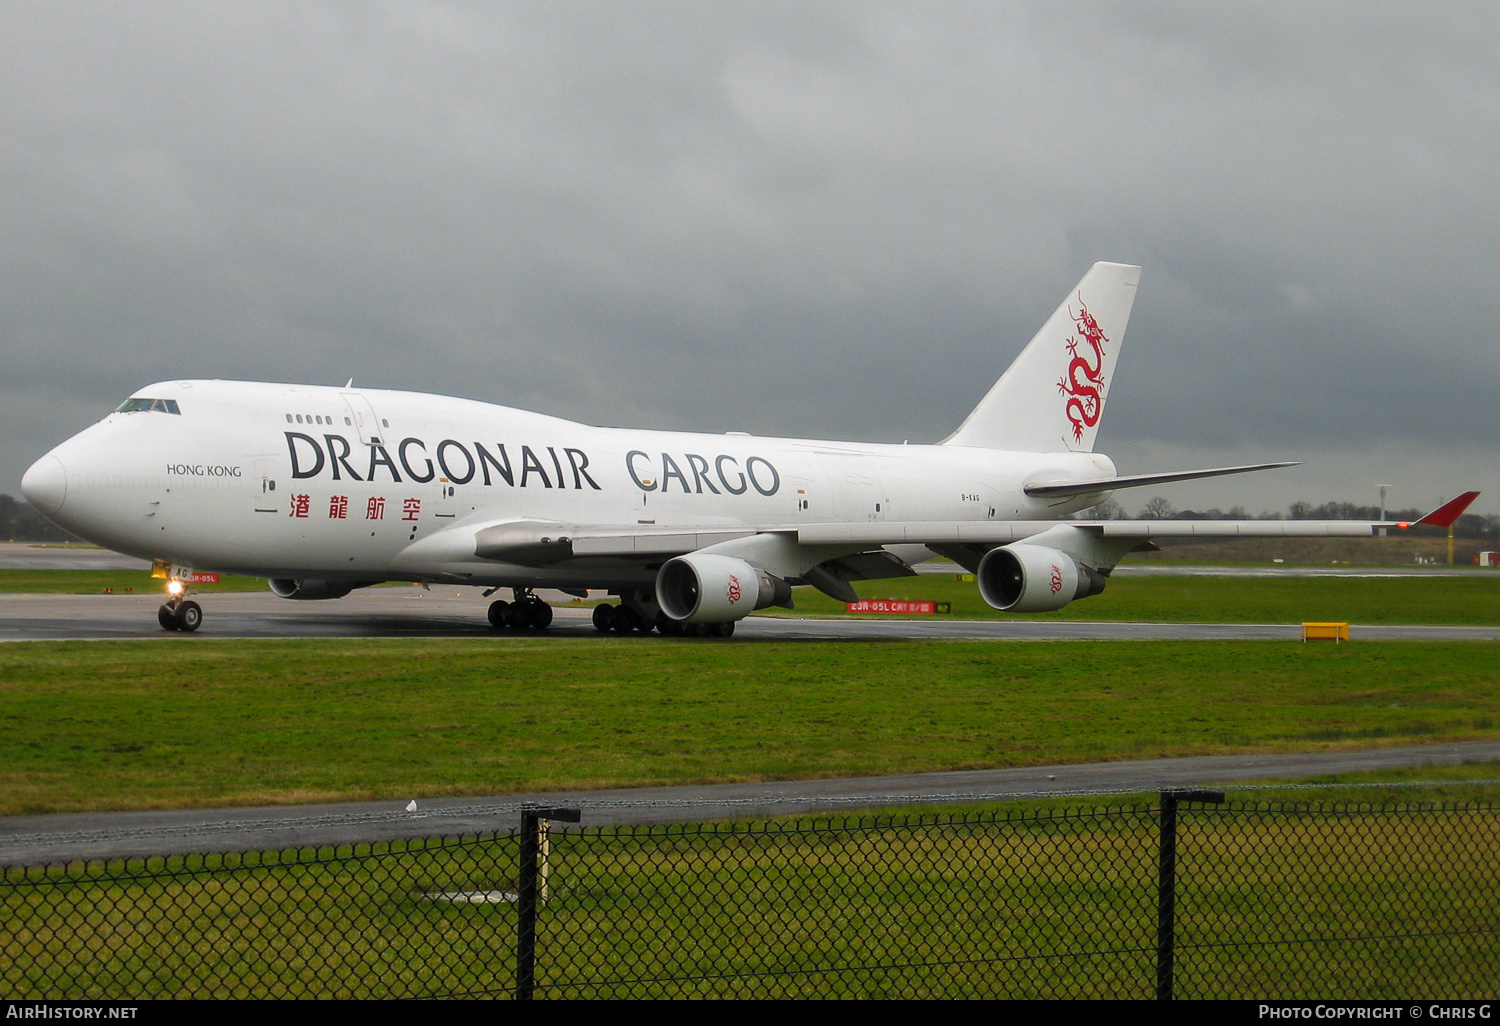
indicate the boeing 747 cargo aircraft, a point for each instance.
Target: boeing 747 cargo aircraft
{"x":324,"y":490}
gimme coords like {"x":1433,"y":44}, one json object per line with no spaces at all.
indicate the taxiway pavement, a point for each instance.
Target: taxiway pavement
{"x":442,"y":612}
{"x":34,"y":840}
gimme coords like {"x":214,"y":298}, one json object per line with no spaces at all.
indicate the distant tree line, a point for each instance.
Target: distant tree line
{"x":19,"y":522}
{"x":1470,"y":525}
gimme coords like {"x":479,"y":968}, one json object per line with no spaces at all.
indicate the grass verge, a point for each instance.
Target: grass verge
{"x":212,"y":723}
{"x":95,"y":582}
{"x":1405,"y":600}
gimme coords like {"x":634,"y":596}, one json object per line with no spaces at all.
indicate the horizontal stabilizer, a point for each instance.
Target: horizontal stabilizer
{"x":1106,"y":484}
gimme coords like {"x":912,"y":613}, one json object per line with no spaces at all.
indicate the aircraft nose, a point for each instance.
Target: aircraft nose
{"x":45,"y":485}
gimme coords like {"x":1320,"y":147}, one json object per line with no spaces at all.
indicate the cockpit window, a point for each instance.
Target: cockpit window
{"x":153,"y":405}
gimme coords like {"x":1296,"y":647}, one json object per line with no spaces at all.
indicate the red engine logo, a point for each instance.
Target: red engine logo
{"x":1084,"y":381}
{"x":734,"y":588}
{"x":1056,"y":579}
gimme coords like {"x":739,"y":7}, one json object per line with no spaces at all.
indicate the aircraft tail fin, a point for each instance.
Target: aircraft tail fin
{"x":1052,"y":396}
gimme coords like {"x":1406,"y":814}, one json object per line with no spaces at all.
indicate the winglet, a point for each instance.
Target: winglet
{"x":1448,"y":512}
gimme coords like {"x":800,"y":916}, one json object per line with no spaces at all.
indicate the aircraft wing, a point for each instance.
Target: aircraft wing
{"x":543,"y":542}
{"x":961,"y":532}
{"x":830,"y":555}
{"x":1074,"y":556}
{"x":1004,"y":532}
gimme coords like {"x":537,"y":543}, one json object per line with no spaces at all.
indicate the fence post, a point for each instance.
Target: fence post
{"x":1166,"y":883}
{"x":534,"y":842}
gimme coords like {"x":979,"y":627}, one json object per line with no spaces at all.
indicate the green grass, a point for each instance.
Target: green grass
{"x":208,"y":723}
{"x":1163,"y":599}
{"x":95,"y":582}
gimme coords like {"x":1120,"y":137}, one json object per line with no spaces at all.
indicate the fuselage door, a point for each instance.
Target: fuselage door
{"x":859,"y":489}
{"x":263,"y":483}
{"x":446,"y":507}
{"x":363,"y":415}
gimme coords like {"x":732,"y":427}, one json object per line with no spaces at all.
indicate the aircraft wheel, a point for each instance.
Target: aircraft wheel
{"x":167,"y":617}
{"x":539,"y":615}
{"x":604,"y":617}
{"x":189,"y":616}
{"x":669,"y":627}
{"x":625,"y":619}
{"x":517,"y":616}
{"x":723,"y":630}
{"x":497,"y":613}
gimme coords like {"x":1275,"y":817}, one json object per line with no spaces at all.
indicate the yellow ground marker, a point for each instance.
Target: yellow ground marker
{"x":1334,"y":632}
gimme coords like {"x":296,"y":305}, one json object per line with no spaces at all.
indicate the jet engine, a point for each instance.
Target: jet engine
{"x":1023,"y":578}
{"x":289,"y":588}
{"x":703,"y":587}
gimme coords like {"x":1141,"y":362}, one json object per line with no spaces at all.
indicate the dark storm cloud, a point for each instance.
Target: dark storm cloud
{"x":803,"y":218}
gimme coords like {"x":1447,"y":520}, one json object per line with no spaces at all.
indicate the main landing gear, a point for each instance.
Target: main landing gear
{"x":623,"y":619}
{"x":526,"y":612}
{"x":179,"y":613}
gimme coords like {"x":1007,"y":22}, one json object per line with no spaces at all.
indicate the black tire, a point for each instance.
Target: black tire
{"x":604,"y":618}
{"x":189,"y":616}
{"x":497,"y":613}
{"x":167,"y":617}
{"x":540,"y":615}
{"x":625,"y":619}
{"x":723,"y":630}
{"x":517,"y":616}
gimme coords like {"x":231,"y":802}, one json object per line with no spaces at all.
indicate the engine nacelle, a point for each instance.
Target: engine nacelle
{"x":703,"y":587}
{"x":1023,"y":578}
{"x":289,"y":588}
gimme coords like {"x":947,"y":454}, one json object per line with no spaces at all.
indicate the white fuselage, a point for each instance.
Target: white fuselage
{"x":364,"y":484}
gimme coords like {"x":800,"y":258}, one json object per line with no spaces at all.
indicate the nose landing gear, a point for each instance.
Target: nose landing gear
{"x":179,"y":614}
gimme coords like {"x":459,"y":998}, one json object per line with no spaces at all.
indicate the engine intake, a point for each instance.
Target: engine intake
{"x":290,"y":588}
{"x":1023,"y":578}
{"x":703,"y":587}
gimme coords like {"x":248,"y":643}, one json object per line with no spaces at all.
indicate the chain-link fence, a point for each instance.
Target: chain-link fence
{"x":1169,"y":897}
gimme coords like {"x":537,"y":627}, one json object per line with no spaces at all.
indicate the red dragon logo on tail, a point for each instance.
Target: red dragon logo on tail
{"x":1084,"y":381}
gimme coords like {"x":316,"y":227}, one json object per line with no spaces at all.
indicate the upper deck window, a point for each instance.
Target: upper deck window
{"x":149,"y":405}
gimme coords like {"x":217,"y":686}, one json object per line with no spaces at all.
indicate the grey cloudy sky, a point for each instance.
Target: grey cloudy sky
{"x":827,"y":219}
